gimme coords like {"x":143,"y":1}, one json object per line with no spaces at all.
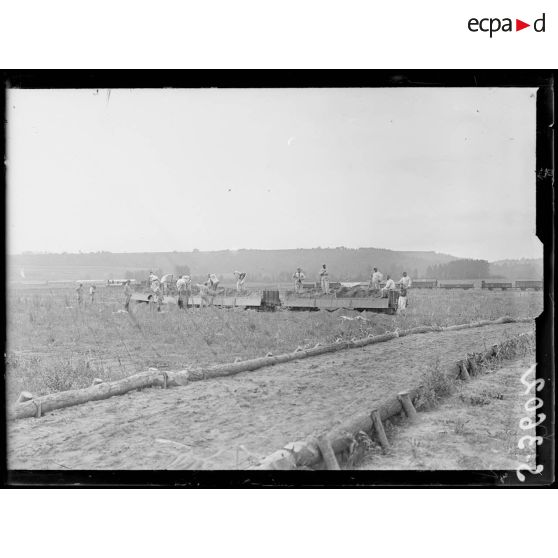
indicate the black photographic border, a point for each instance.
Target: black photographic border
{"x":545,"y":323}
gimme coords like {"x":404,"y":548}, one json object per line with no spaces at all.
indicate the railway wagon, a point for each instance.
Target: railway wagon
{"x":524,"y":285}
{"x":271,"y":300}
{"x":149,"y":297}
{"x":491,"y":286}
{"x":331,"y":302}
{"x":456,"y":285}
{"x":425,"y":284}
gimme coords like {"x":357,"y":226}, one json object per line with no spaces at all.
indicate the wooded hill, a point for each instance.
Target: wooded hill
{"x":265,"y":265}
{"x":261,"y":265}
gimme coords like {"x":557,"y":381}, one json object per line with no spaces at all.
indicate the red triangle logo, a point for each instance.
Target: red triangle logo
{"x":519,"y":25}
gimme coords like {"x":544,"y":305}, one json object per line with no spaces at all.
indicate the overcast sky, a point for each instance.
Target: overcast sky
{"x":450,"y":170}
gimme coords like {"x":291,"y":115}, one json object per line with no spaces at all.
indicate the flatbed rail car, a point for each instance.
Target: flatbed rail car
{"x":491,"y":286}
{"x":524,"y":285}
{"x":270,"y":300}
{"x":331,"y":303}
{"x":120,"y":282}
{"x":425,"y":284}
{"x":149,"y":297}
{"x":456,"y":285}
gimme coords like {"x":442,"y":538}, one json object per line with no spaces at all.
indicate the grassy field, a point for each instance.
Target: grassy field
{"x":52,"y":345}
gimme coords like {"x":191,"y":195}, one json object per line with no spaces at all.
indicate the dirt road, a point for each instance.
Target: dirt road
{"x":231,"y":422}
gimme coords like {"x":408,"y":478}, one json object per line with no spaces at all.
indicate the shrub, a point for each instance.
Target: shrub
{"x":434,"y":386}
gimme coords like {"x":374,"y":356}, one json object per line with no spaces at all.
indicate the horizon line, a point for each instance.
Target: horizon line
{"x":195,"y":250}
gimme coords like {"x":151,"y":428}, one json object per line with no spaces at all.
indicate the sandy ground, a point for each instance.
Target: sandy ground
{"x":477,"y":428}
{"x":231,"y":422}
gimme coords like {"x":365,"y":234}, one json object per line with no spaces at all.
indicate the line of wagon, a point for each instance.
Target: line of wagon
{"x":487,"y":285}
{"x":275,"y":299}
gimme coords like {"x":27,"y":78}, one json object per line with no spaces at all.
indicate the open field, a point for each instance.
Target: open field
{"x":55,"y":346}
{"x":232,"y":422}
{"x":476,"y":428}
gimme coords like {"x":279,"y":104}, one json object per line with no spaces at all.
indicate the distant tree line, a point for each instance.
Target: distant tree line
{"x":528,"y":270}
{"x":460,"y":269}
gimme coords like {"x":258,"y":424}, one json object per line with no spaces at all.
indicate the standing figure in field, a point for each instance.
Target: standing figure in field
{"x":156,"y":292}
{"x":160,"y":297}
{"x":390,"y":286}
{"x":240,"y":278}
{"x":298,"y":277}
{"x":402,"y":301}
{"x":127,"y":295}
{"x":212,"y":281}
{"x":79,"y":293}
{"x":183,"y":288}
{"x":166,"y":280}
{"x":324,"y":280}
{"x":152,"y":277}
{"x":376,"y":279}
{"x":206,"y":295}
{"x":92,"y":293}
{"x":405,"y":281}
{"x":188,"y":289}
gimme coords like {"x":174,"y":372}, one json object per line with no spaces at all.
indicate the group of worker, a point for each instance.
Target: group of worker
{"x":159,"y":287}
{"x":208,"y":289}
{"x":375,"y":284}
{"x":377,"y":277}
{"x":404,"y":284}
{"x":376,"y":280}
{"x":79,"y":293}
{"x":299,"y":277}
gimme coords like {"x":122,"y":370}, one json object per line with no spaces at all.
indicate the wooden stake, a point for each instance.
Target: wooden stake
{"x":375,"y":415}
{"x":39,"y":408}
{"x":464,"y":373}
{"x":328,"y":454}
{"x":473,"y":366}
{"x":405,"y":399}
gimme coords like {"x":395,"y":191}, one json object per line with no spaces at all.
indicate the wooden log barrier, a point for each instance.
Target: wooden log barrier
{"x":327,"y":453}
{"x":77,"y":396}
{"x":307,"y":453}
{"x":379,"y":428}
{"x":153,"y":378}
{"x":24,"y":396}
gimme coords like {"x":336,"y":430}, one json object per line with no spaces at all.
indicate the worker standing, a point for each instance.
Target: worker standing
{"x":390,"y":286}
{"x":240,"y":278}
{"x":187,"y":289}
{"x":155,"y":288}
{"x":165,"y":282}
{"x":298,"y":277}
{"x":405,"y":284}
{"x":376,"y":279}
{"x":127,"y":295}
{"x":159,"y":297}
{"x":405,"y":281}
{"x":152,"y":278}
{"x":324,"y":281}
{"x":206,"y":298}
{"x":402,"y":301}
{"x":92,"y":292}
{"x":212,"y":281}
{"x":79,"y":292}
{"x":181,"y":288}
